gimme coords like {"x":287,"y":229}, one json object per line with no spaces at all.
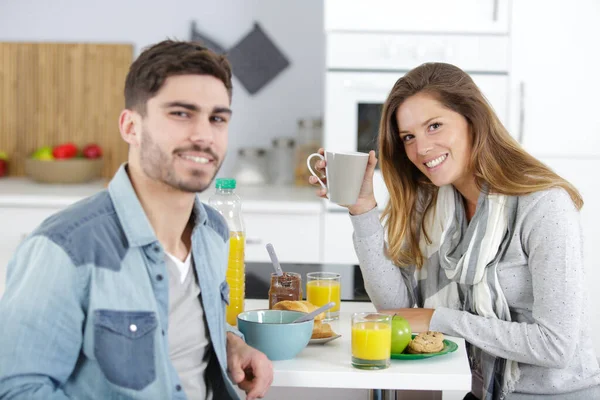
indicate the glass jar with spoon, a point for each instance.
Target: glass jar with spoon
{"x":284,"y":285}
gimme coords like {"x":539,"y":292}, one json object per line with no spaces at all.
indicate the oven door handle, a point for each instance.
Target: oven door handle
{"x":521,"y":134}
{"x":495,"y":11}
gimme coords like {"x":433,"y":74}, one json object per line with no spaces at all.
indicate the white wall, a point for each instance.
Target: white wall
{"x":295,"y":26}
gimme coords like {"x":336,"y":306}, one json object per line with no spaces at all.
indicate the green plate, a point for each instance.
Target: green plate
{"x":449,"y":347}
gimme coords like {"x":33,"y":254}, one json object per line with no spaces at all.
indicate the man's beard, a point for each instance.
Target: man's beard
{"x":159,"y":166}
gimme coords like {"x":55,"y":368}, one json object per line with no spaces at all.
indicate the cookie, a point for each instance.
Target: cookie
{"x":427,"y":342}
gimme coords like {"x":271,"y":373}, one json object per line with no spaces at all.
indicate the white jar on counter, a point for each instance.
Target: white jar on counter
{"x":251,"y":167}
{"x":281,"y":161}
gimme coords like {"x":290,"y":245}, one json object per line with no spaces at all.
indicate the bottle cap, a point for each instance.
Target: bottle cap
{"x":225,"y":183}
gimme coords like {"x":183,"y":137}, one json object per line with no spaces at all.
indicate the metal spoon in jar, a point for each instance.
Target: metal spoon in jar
{"x":313,"y":314}
{"x":274,"y":260}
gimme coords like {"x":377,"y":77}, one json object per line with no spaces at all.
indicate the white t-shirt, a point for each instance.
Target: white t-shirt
{"x":183,"y":267}
{"x":189,"y":342}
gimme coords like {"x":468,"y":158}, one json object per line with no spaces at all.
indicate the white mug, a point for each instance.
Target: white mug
{"x":345,"y":173}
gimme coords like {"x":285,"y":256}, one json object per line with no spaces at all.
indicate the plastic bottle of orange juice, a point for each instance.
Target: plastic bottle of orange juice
{"x":229,"y":205}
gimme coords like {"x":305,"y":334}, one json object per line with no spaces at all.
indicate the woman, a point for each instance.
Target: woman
{"x":481,"y":237}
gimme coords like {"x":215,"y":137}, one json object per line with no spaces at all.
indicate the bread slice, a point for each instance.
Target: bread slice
{"x":311,"y":307}
{"x":302,"y":306}
{"x":291,"y":306}
{"x":322,"y":331}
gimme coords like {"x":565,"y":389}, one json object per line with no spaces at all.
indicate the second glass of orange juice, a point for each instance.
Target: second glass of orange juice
{"x":371,"y":340}
{"x":322,"y":288}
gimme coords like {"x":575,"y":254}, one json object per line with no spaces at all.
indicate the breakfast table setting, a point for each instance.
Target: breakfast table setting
{"x":329,"y":365}
{"x":323,"y":342}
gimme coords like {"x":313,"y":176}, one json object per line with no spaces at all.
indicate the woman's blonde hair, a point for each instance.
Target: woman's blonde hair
{"x":498,"y":162}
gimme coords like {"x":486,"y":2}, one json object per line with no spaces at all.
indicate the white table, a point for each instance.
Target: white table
{"x":329,"y":366}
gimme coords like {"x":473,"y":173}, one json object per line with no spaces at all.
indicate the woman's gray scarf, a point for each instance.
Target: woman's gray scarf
{"x":469,"y":255}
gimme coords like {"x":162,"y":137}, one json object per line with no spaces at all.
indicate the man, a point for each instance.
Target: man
{"x":123,"y":294}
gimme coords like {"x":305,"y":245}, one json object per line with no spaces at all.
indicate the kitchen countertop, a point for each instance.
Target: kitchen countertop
{"x":328,"y":365}
{"x":24,"y":192}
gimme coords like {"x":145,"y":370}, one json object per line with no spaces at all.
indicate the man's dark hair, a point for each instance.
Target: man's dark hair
{"x":156,"y":63}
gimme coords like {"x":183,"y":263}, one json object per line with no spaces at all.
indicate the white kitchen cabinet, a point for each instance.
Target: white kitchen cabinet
{"x":296,"y":236}
{"x":441,"y":16}
{"x":554,"y":76}
{"x":402,"y":52}
{"x":583,"y":174}
{"x":18,"y":223}
{"x":338,"y":247}
{"x":289,"y":217}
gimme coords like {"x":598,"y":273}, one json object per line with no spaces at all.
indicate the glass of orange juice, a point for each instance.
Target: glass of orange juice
{"x":371,"y":340}
{"x":323,"y":288}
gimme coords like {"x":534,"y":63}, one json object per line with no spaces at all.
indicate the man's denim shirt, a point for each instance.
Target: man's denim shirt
{"x":85,"y":312}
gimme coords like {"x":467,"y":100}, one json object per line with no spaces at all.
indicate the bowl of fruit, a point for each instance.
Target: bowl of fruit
{"x":65,"y":163}
{"x":3,"y":164}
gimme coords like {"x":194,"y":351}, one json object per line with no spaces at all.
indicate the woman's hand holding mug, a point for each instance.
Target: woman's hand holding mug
{"x":366,"y":197}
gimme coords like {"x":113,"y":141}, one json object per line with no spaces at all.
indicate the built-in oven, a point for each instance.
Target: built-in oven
{"x":363,"y":67}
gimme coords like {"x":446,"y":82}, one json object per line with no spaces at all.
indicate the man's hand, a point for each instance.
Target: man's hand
{"x":250,"y":369}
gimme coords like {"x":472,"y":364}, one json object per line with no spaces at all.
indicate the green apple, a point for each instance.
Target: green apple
{"x":401,"y":334}
{"x":3,"y":156}
{"x":43,"y":153}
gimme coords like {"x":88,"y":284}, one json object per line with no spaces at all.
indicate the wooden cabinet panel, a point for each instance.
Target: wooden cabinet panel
{"x":52,"y":93}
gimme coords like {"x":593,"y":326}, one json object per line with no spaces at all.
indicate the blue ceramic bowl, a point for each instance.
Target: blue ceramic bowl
{"x":272,"y":332}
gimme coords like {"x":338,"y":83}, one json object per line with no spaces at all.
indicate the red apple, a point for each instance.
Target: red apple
{"x":92,"y":151}
{"x":401,"y":334}
{"x":64,"y":151}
